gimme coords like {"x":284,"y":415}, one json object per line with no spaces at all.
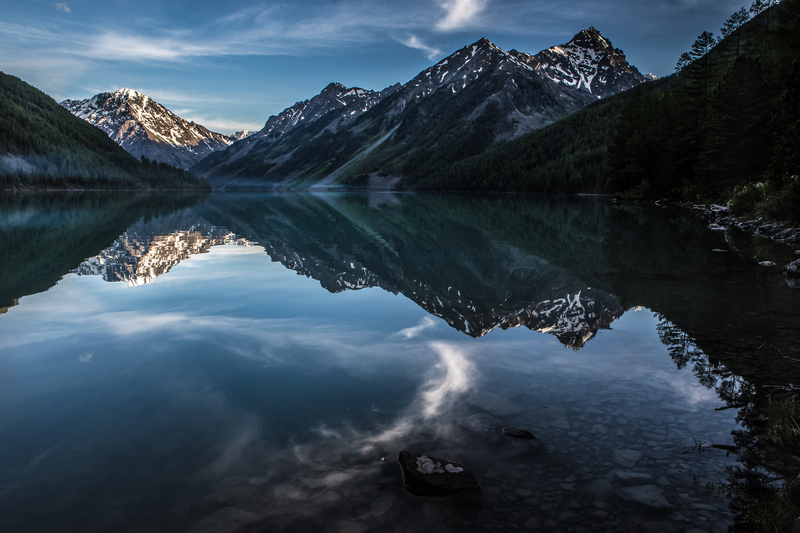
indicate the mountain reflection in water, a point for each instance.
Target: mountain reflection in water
{"x":570,"y":268}
{"x":450,"y":268}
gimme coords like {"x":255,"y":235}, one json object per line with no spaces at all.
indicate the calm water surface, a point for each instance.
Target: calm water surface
{"x":256,"y":362}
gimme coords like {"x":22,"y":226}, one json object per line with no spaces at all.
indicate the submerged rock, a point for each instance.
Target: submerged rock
{"x":494,"y":403}
{"x":627,"y":458}
{"x":485,"y":425}
{"x":431,"y":476}
{"x":645,"y":494}
{"x":518,"y":433}
{"x":791,"y":273}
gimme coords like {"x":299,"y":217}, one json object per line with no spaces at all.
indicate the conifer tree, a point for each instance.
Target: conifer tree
{"x":732,"y":25}
{"x":683,"y":62}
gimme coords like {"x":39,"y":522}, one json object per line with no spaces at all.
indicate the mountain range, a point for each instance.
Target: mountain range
{"x":474,"y":99}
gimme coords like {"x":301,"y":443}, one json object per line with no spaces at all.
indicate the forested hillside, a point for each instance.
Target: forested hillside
{"x":725,"y":128}
{"x":729,"y":129}
{"x":42,"y":145}
{"x":569,"y":156}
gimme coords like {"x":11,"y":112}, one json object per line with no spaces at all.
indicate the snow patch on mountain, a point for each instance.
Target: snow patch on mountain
{"x":588,"y":62}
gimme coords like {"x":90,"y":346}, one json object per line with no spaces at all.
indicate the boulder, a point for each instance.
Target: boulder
{"x":627,"y":458}
{"x":431,"y":476}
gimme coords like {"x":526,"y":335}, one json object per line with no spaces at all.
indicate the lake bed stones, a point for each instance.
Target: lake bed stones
{"x":431,"y":476}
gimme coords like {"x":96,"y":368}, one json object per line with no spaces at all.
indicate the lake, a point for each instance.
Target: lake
{"x":256,"y":361}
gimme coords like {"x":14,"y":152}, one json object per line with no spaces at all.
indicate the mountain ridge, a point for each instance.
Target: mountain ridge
{"x":412,"y":130}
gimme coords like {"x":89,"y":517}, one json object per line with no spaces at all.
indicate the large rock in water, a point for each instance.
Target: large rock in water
{"x":791,"y":273}
{"x":430,"y":476}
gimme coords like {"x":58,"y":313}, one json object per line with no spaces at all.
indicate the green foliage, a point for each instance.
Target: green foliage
{"x":728,"y":129}
{"x":783,"y":423}
{"x":42,"y":145}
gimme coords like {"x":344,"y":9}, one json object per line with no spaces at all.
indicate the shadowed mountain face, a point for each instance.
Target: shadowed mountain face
{"x":459,"y":107}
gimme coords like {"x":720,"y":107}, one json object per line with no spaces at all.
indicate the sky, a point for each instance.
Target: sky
{"x":230,"y":65}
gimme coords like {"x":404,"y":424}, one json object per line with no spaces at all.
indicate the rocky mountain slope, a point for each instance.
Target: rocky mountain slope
{"x":587,"y":62}
{"x":336,"y":106}
{"x":143,"y":127}
{"x":468,"y":102}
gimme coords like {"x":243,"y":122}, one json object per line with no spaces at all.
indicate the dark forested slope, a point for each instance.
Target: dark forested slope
{"x":725,"y":129}
{"x":43,"y":145}
{"x":568,"y":156}
{"x":728,"y":130}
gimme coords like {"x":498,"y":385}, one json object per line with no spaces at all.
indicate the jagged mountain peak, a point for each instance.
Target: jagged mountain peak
{"x":588,"y":62}
{"x":591,"y":38}
{"x":334,"y":96}
{"x":144,"y":127}
{"x":484,"y":42}
{"x":129,"y":93}
{"x":338,"y":104}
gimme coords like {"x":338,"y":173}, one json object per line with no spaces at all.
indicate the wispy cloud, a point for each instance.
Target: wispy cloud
{"x":441,"y":393}
{"x":424,"y":324}
{"x":460,"y":13}
{"x":63,"y":7}
{"x":412,"y":41}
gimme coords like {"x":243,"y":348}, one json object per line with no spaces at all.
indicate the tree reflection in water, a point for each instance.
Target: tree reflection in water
{"x":764,"y":486}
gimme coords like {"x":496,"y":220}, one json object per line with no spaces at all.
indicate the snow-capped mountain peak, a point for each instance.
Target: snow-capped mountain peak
{"x":352,"y":100}
{"x":589,"y":62}
{"x":128,"y":93}
{"x":144,"y":127}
